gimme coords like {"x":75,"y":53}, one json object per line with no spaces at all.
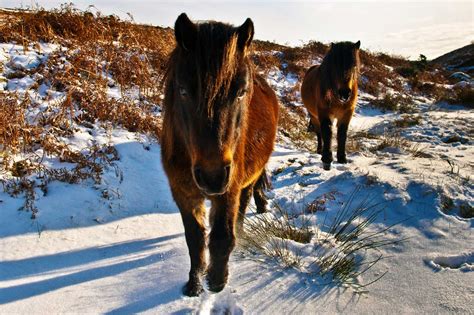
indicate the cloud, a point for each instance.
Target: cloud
{"x":432,"y":40}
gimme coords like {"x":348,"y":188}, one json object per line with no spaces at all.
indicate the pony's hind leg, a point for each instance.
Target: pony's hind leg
{"x":222,"y":238}
{"x":257,"y":189}
{"x":319,"y":149}
{"x":315,"y":126}
{"x":193,"y":215}
{"x":245,"y":196}
{"x":262,"y":184}
{"x":326,"y":133}
{"x":342,"y":127}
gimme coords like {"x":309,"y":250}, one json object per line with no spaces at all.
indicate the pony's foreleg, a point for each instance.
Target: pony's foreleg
{"x":193,"y":214}
{"x":342,"y":127}
{"x":326,"y":133}
{"x":222,"y":238}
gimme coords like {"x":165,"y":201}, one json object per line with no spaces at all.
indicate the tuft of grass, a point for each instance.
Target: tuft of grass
{"x":447,"y":204}
{"x":466,"y":210}
{"x":455,"y":172}
{"x":24,"y":186}
{"x":406,"y":120}
{"x":351,"y":228}
{"x":357,"y":140}
{"x":340,"y":246}
{"x":320,"y":203}
{"x":268,"y":234}
{"x":396,"y":141}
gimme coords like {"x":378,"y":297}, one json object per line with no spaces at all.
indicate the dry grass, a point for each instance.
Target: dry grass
{"x":16,"y":133}
{"x":376,"y":77}
{"x":407,"y":120}
{"x":341,"y":244}
{"x":395,"y":141}
{"x":357,"y":140}
{"x":320,"y":204}
{"x":101,"y":52}
{"x":399,"y":103}
{"x":293,"y":125}
{"x":460,"y":95}
{"x":268,"y":233}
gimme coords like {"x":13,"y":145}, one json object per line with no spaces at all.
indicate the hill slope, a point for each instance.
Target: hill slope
{"x":461,"y":59}
{"x":89,"y":225}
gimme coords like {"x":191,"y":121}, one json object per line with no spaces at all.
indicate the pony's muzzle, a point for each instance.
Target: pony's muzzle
{"x":212,"y":182}
{"x":344,"y":94}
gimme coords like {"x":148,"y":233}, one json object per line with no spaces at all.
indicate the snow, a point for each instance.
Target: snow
{"x":464,"y":261}
{"x":118,"y":246}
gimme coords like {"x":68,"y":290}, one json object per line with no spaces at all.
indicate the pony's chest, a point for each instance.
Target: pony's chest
{"x":337,"y":109}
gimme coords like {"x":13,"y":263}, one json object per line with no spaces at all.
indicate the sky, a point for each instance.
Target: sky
{"x":406,"y":28}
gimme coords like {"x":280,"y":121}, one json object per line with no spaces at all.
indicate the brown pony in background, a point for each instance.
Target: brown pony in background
{"x":330,"y":91}
{"x":219,"y":128}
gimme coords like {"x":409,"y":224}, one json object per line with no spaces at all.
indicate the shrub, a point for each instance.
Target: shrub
{"x":413,"y":68}
{"x":462,"y":95}
{"x":395,"y":102}
{"x":293,"y":124}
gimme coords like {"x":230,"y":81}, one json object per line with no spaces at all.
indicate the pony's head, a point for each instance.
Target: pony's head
{"x":342,"y":62}
{"x":209,"y":86}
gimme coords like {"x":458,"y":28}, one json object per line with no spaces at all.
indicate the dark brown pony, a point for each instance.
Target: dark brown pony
{"x":330,"y":92}
{"x":219,"y":128}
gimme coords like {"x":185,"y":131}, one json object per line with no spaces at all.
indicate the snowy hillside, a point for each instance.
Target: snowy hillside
{"x":88,"y":223}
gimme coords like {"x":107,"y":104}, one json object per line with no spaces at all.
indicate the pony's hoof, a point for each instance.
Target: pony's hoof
{"x":216,"y":287}
{"x":342,"y":160}
{"x":262,"y":209}
{"x":326,"y":166}
{"x":216,"y":281}
{"x":192,"y":289}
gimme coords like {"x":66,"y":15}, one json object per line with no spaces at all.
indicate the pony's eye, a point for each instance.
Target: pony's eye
{"x":241,"y":94}
{"x":183,"y":92}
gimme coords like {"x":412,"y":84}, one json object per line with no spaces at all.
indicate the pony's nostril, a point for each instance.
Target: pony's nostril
{"x":345,"y":94}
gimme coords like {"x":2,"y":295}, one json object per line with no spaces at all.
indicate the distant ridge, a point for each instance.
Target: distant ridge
{"x":461,"y":59}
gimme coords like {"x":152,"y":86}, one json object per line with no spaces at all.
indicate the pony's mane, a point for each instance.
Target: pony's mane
{"x":338,"y":59}
{"x":216,"y":61}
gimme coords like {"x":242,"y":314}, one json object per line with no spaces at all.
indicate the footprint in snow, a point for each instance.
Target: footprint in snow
{"x":219,"y":304}
{"x":463,"y":261}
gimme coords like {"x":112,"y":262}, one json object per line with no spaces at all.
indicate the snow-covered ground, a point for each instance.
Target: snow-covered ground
{"x":118,"y":246}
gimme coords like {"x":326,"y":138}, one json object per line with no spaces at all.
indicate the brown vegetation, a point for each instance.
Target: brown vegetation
{"x":397,"y":102}
{"x":104,"y":52}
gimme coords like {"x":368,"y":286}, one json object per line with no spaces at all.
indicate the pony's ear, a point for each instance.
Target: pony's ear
{"x":357,"y":45}
{"x":185,"y":32}
{"x":245,"y":34}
